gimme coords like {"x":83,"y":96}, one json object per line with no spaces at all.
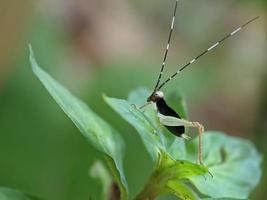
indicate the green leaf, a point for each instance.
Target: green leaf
{"x":234,"y":163}
{"x":179,"y":169}
{"x":11,"y":194}
{"x":169,"y":176}
{"x":181,"y":190}
{"x":148,"y":132}
{"x":97,"y":132}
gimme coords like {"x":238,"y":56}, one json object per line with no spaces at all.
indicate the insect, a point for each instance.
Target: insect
{"x":169,"y":117}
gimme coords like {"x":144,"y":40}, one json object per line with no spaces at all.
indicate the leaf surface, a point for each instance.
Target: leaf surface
{"x":96,"y":131}
{"x":234,"y":163}
{"x":11,"y":194}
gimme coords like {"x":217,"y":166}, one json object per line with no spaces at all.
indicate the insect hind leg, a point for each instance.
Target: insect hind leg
{"x":200,"y":128}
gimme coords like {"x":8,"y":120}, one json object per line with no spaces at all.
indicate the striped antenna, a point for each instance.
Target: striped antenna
{"x":168,"y":45}
{"x":207,"y":50}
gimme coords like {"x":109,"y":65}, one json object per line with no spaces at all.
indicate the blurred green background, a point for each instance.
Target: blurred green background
{"x":113,"y":46}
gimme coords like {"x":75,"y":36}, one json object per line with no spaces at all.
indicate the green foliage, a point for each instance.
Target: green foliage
{"x":168,"y":176}
{"x":99,"y":133}
{"x":144,"y":125}
{"x":11,"y":194}
{"x":234,"y":162}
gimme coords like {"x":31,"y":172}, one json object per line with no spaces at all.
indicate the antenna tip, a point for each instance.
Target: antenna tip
{"x":252,"y":20}
{"x":255,"y":18}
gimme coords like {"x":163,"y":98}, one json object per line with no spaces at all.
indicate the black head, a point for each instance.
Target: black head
{"x":155,"y":96}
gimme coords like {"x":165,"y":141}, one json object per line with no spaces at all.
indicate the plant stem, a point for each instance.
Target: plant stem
{"x":154,"y":187}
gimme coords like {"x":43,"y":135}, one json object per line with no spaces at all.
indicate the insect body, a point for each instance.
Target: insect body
{"x":168,"y":117}
{"x":173,"y":122}
{"x":158,"y":98}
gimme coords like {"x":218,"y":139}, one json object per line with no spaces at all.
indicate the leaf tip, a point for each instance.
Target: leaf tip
{"x":31,"y":58}
{"x":31,"y":51}
{"x":105,"y":97}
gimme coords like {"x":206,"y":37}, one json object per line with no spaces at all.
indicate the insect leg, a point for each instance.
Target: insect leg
{"x":173,"y":121}
{"x":200,"y":128}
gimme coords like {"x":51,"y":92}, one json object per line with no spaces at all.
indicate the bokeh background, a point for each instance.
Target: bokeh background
{"x":114,"y":46}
